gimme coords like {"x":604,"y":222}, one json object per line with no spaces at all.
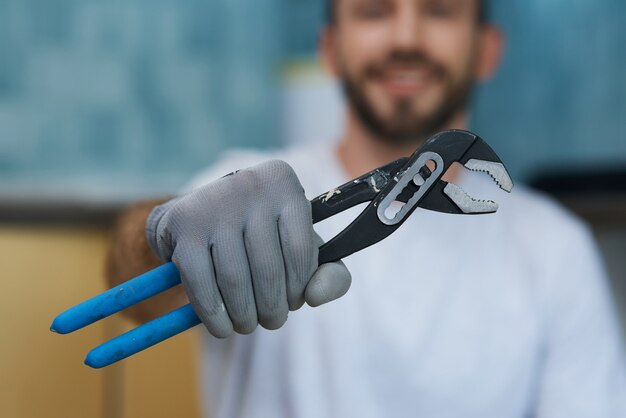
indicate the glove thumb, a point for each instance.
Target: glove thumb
{"x":329,"y":282}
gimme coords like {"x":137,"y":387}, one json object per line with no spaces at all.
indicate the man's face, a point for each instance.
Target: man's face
{"x":407,"y":66}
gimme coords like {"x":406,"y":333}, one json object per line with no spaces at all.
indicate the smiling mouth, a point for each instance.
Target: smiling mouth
{"x":405,"y":81}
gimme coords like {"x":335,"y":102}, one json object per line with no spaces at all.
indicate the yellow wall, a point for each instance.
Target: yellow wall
{"x":44,"y":271}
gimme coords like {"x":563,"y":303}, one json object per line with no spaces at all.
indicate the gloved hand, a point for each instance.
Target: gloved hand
{"x":246,"y":249}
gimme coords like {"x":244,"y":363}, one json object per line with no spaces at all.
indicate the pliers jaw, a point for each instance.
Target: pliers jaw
{"x":474,"y":154}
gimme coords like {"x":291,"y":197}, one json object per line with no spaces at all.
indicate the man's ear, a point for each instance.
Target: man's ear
{"x":490,"y":51}
{"x":327,"y":50}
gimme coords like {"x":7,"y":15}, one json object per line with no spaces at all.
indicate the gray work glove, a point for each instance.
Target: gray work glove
{"x":246,"y":249}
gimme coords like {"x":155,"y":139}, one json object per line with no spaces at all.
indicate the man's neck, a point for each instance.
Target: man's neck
{"x":359,"y":151}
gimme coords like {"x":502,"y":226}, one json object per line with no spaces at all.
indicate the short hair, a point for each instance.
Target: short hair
{"x":483,"y":11}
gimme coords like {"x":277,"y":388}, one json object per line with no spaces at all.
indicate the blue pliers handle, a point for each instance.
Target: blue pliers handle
{"x":415,"y":181}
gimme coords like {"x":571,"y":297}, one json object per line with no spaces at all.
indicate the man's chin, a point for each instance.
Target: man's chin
{"x":410,"y":129}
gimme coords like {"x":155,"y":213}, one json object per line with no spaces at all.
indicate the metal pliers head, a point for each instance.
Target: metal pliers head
{"x":406,"y":184}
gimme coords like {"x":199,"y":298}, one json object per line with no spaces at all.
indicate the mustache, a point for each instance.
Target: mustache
{"x":405,"y":59}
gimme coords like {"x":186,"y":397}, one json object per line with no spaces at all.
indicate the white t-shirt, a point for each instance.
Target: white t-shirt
{"x":504,"y":316}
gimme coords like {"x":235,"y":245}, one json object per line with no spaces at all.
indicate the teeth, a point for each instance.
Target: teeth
{"x":466,"y":203}
{"x":497,"y":171}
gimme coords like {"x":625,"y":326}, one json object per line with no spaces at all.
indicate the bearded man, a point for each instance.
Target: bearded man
{"x":498,"y":316}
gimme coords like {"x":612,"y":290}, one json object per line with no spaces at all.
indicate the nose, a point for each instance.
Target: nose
{"x":407,"y":28}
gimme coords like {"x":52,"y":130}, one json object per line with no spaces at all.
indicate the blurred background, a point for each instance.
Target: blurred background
{"x":106,"y":102}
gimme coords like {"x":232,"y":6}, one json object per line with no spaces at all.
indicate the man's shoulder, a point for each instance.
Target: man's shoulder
{"x":301,"y":158}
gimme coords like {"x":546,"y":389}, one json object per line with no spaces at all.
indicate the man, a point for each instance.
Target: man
{"x":505,"y":315}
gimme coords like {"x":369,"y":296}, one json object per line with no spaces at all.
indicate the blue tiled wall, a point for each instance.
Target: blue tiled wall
{"x":560,"y":97}
{"x":131,"y":96}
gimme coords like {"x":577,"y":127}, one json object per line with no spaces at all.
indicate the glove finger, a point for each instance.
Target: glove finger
{"x":157,"y":236}
{"x":235,"y":281}
{"x":329,"y":282}
{"x":198,"y":277}
{"x":299,"y":247}
{"x":268,"y":272}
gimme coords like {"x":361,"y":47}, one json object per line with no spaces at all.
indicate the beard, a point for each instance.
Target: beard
{"x":406,"y":125}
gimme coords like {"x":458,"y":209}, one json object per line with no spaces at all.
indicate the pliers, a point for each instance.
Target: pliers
{"x":394,"y":191}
